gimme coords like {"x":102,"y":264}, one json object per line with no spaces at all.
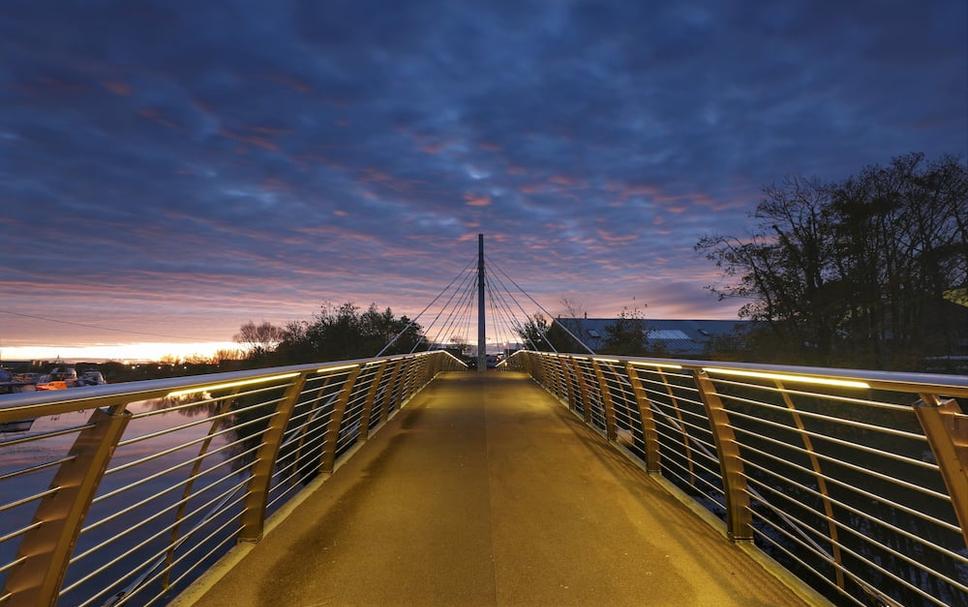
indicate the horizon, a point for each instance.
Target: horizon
{"x":161,"y":195}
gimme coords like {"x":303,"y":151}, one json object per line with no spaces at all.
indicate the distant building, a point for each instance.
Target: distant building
{"x":686,"y":338}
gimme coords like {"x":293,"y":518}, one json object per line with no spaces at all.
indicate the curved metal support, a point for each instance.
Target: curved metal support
{"x":682,"y":425}
{"x":738,"y":516}
{"x":335,"y":421}
{"x":223,"y":406}
{"x":47,"y":549}
{"x":254,"y":508}
{"x":821,"y":482}
{"x":562,"y":380}
{"x":368,"y":403}
{"x":586,"y":405}
{"x":607,"y":405}
{"x":306,"y":426}
{"x":568,"y":392}
{"x":947,"y":430}
{"x":649,"y":432}
{"x":389,"y":392}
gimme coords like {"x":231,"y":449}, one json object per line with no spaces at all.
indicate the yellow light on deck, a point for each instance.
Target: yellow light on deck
{"x":803,"y":379}
{"x":607,"y":360}
{"x":231,"y":384}
{"x":639,"y":363}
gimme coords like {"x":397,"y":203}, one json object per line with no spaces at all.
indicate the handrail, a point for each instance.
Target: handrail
{"x":18,"y":406}
{"x":953,"y":385}
{"x":128,"y":503}
{"x":857,"y":481}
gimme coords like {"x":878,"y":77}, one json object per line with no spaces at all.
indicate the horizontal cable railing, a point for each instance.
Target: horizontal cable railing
{"x":123,"y":494}
{"x":856,"y":481}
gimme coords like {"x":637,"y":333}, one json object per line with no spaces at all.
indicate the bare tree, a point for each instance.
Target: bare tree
{"x":259,"y":339}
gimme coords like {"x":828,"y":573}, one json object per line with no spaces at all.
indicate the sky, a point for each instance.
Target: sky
{"x":170,"y":170}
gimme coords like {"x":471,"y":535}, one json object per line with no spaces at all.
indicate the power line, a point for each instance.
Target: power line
{"x":98,"y":327}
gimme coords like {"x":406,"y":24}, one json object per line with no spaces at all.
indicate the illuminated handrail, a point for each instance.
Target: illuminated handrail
{"x":126,"y":492}
{"x":856,"y":481}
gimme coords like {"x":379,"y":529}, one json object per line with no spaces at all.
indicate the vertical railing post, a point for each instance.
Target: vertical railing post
{"x":607,"y":405}
{"x":650,"y":435}
{"x":738,"y":516}
{"x":561,"y":366}
{"x":368,"y":403}
{"x":222,"y":407}
{"x":47,"y":548}
{"x":405,"y":379}
{"x":682,"y":426}
{"x":254,"y":508}
{"x":549,"y":373}
{"x":560,"y":375}
{"x":553,"y":371}
{"x":539,"y":369}
{"x":569,"y":393}
{"x":412,"y":371}
{"x":828,"y":507}
{"x":947,"y":431}
{"x":545,"y":377}
{"x":299,"y":460}
{"x":331,"y":436}
{"x":586,"y":404}
{"x":388,"y":393}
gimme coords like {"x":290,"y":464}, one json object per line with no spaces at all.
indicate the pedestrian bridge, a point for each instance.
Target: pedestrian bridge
{"x":553,"y":480}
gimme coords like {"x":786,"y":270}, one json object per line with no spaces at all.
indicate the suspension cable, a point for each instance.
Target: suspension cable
{"x":523,"y":311}
{"x":513,"y":326}
{"x":510,"y":324}
{"x":522,"y":327}
{"x":426,"y":332}
{"x":514,"y":322}
{"x":410,"y":324}
{"x":456,"y":311}
{"x":533,"y":300}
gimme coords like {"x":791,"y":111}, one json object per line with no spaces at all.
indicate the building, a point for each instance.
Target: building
{"x":683,"y":338}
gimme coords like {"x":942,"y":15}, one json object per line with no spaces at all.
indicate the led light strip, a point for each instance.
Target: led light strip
{"x":803,"y":379}
{"x":340,"y":368}
{"x":639,"y":363}
{"x":233,"y":384}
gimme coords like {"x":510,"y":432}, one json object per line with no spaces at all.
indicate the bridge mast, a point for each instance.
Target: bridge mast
{"x":481,"y":338}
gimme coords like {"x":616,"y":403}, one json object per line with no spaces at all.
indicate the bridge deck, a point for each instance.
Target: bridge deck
{"x":484,"y":491}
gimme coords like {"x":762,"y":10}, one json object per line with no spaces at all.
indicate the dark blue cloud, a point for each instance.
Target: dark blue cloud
{"x":208,"y":162}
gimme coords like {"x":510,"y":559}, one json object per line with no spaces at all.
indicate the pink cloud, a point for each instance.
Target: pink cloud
{"x":477,"y":200}
{"x":613,"y":238}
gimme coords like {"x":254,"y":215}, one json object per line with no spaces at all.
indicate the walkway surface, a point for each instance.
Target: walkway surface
{"x":486,"y":491}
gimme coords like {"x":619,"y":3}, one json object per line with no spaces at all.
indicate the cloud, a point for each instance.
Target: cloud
{"x":477,"y":200}
{"x":192,"y":166}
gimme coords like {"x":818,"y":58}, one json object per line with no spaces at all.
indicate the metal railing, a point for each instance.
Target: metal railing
{"x":856,"y":481}
{"x":123,"y":494}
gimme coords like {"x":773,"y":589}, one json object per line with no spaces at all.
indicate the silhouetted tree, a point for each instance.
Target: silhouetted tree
{"x":855,"y":272}
{"x":343,"y":332}
{"x":258,"y":340}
